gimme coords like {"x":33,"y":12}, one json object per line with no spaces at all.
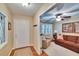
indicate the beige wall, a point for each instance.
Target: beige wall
{"x":5,"y":50}
{"x":36,"y":39}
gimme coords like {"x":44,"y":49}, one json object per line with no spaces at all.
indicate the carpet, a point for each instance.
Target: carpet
{"x":57,"y":50}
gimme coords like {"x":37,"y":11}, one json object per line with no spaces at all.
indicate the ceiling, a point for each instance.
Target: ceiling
{"x":66,"y":9}
{"x":17,"y":8}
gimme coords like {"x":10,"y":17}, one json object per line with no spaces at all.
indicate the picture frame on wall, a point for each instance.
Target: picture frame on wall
{"x":68,"y":27}
{"x":9,"y":25}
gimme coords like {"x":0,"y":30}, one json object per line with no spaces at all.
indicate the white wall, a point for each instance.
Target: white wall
{"x":58,"y":25}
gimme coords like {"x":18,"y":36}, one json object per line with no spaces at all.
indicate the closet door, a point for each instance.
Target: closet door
{"x":21,"y":33}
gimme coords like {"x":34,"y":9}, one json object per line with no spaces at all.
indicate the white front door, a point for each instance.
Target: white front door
{"x":21,"y":33}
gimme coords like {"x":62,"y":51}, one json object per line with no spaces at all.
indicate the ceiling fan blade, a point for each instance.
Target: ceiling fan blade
{"x":66,"y":16}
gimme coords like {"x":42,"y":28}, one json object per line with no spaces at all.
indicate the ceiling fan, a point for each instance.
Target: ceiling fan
{"x":60,"y":16}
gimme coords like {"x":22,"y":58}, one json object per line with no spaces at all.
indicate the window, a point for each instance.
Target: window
{"x":2,"y":29}
{"x":46,"y":29}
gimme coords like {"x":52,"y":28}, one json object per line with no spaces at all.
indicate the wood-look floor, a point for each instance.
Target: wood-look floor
{"x":26,"y":51}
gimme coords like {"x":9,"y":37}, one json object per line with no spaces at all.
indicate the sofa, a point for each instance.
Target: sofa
{"x":69,"y":42}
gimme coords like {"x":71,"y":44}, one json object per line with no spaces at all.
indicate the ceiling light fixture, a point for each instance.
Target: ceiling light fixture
{"x":26,"y":4}
{"x":58,"y":18}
